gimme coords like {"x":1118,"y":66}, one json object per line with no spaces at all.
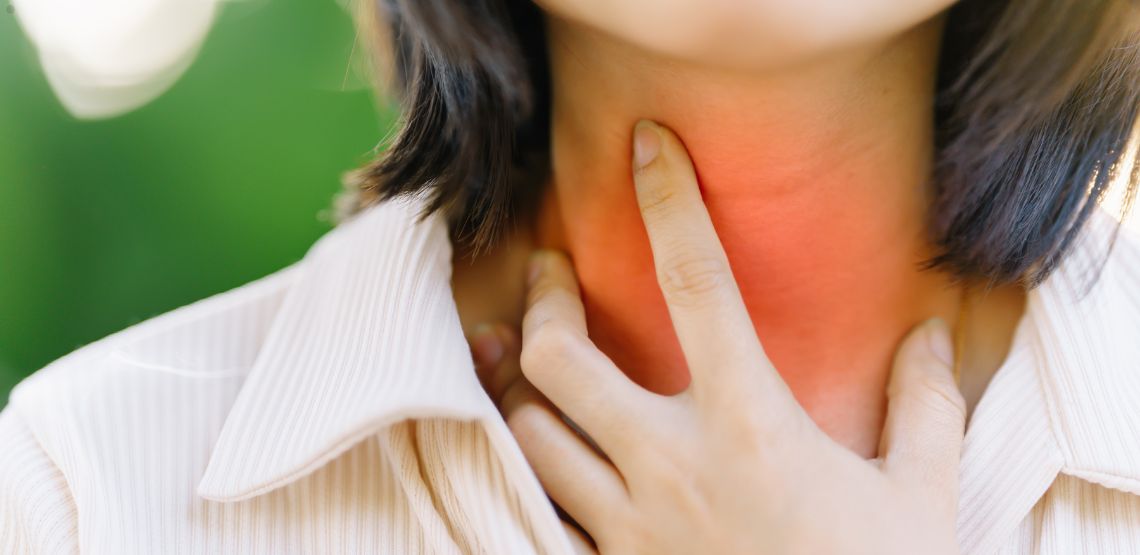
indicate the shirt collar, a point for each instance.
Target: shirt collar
{"x":367,"y":333}
{"x":1088,"y":322}
{"x":1064,"y":402}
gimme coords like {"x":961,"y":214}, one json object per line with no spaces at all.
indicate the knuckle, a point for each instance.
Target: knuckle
{"x":676,"y":482}
{"x":763,"y":432}
{"x":551,"y":344}
{"x":655,"y":196}
{"x":690,"y":278}
{"x":942,"y":398}
{"x":542,"y":291}
{"x":756,"y":437}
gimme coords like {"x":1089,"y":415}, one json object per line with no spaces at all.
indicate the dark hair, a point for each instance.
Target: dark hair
{"x":1036,"y":104}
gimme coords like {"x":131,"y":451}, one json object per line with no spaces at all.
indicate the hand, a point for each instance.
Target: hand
{"x":733,"y":464}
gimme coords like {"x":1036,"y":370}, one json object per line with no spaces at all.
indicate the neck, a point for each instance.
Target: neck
{"x":815,"y":178}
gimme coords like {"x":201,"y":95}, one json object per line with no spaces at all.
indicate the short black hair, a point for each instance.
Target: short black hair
{"x":1036,"y":105}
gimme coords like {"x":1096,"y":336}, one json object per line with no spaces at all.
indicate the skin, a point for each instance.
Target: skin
{"x":750,"y":35}
{"x":817,"y":208}
{"x":813,"y":167}
{"x":809,"y":151}
{"x":638,"y":478}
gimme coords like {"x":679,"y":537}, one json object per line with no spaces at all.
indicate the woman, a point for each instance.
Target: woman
{"x":866,"y":166}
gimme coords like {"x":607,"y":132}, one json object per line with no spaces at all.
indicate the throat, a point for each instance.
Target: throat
{"x":816,"y":180}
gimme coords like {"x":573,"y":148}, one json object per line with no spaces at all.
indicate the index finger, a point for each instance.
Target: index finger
{"x":711,"y":322}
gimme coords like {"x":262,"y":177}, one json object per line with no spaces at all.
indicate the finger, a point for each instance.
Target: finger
{"x":560,"y":360}
{"x":574,"y":475}
{"x":926,"y":415}
{"x":712,"y":324}
{"x":495,"y":349}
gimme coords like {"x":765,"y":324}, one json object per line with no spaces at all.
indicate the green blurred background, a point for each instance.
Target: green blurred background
{"x":221,"y":180}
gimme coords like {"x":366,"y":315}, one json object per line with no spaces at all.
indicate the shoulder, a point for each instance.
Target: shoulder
{"x":37,"y":512}
{"x":185,"y":338}
{"x":181,"y":370}
{"x":174,"y":374}
{"x":1086,"y":319}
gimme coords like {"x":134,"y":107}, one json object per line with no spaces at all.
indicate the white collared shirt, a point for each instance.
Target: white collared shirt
{"x":332,"y":407}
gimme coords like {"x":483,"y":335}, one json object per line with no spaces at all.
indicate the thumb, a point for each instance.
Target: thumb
{"x":926,"y":415}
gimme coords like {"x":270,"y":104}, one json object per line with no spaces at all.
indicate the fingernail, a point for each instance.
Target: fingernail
{"x":938,"y":339}
{"x":534,"y":268}
{"x":486,"y":346}
{"x":646,"y":143}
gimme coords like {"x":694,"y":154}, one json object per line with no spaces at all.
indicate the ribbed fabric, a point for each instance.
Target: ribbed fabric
{"x":332,"y":407}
